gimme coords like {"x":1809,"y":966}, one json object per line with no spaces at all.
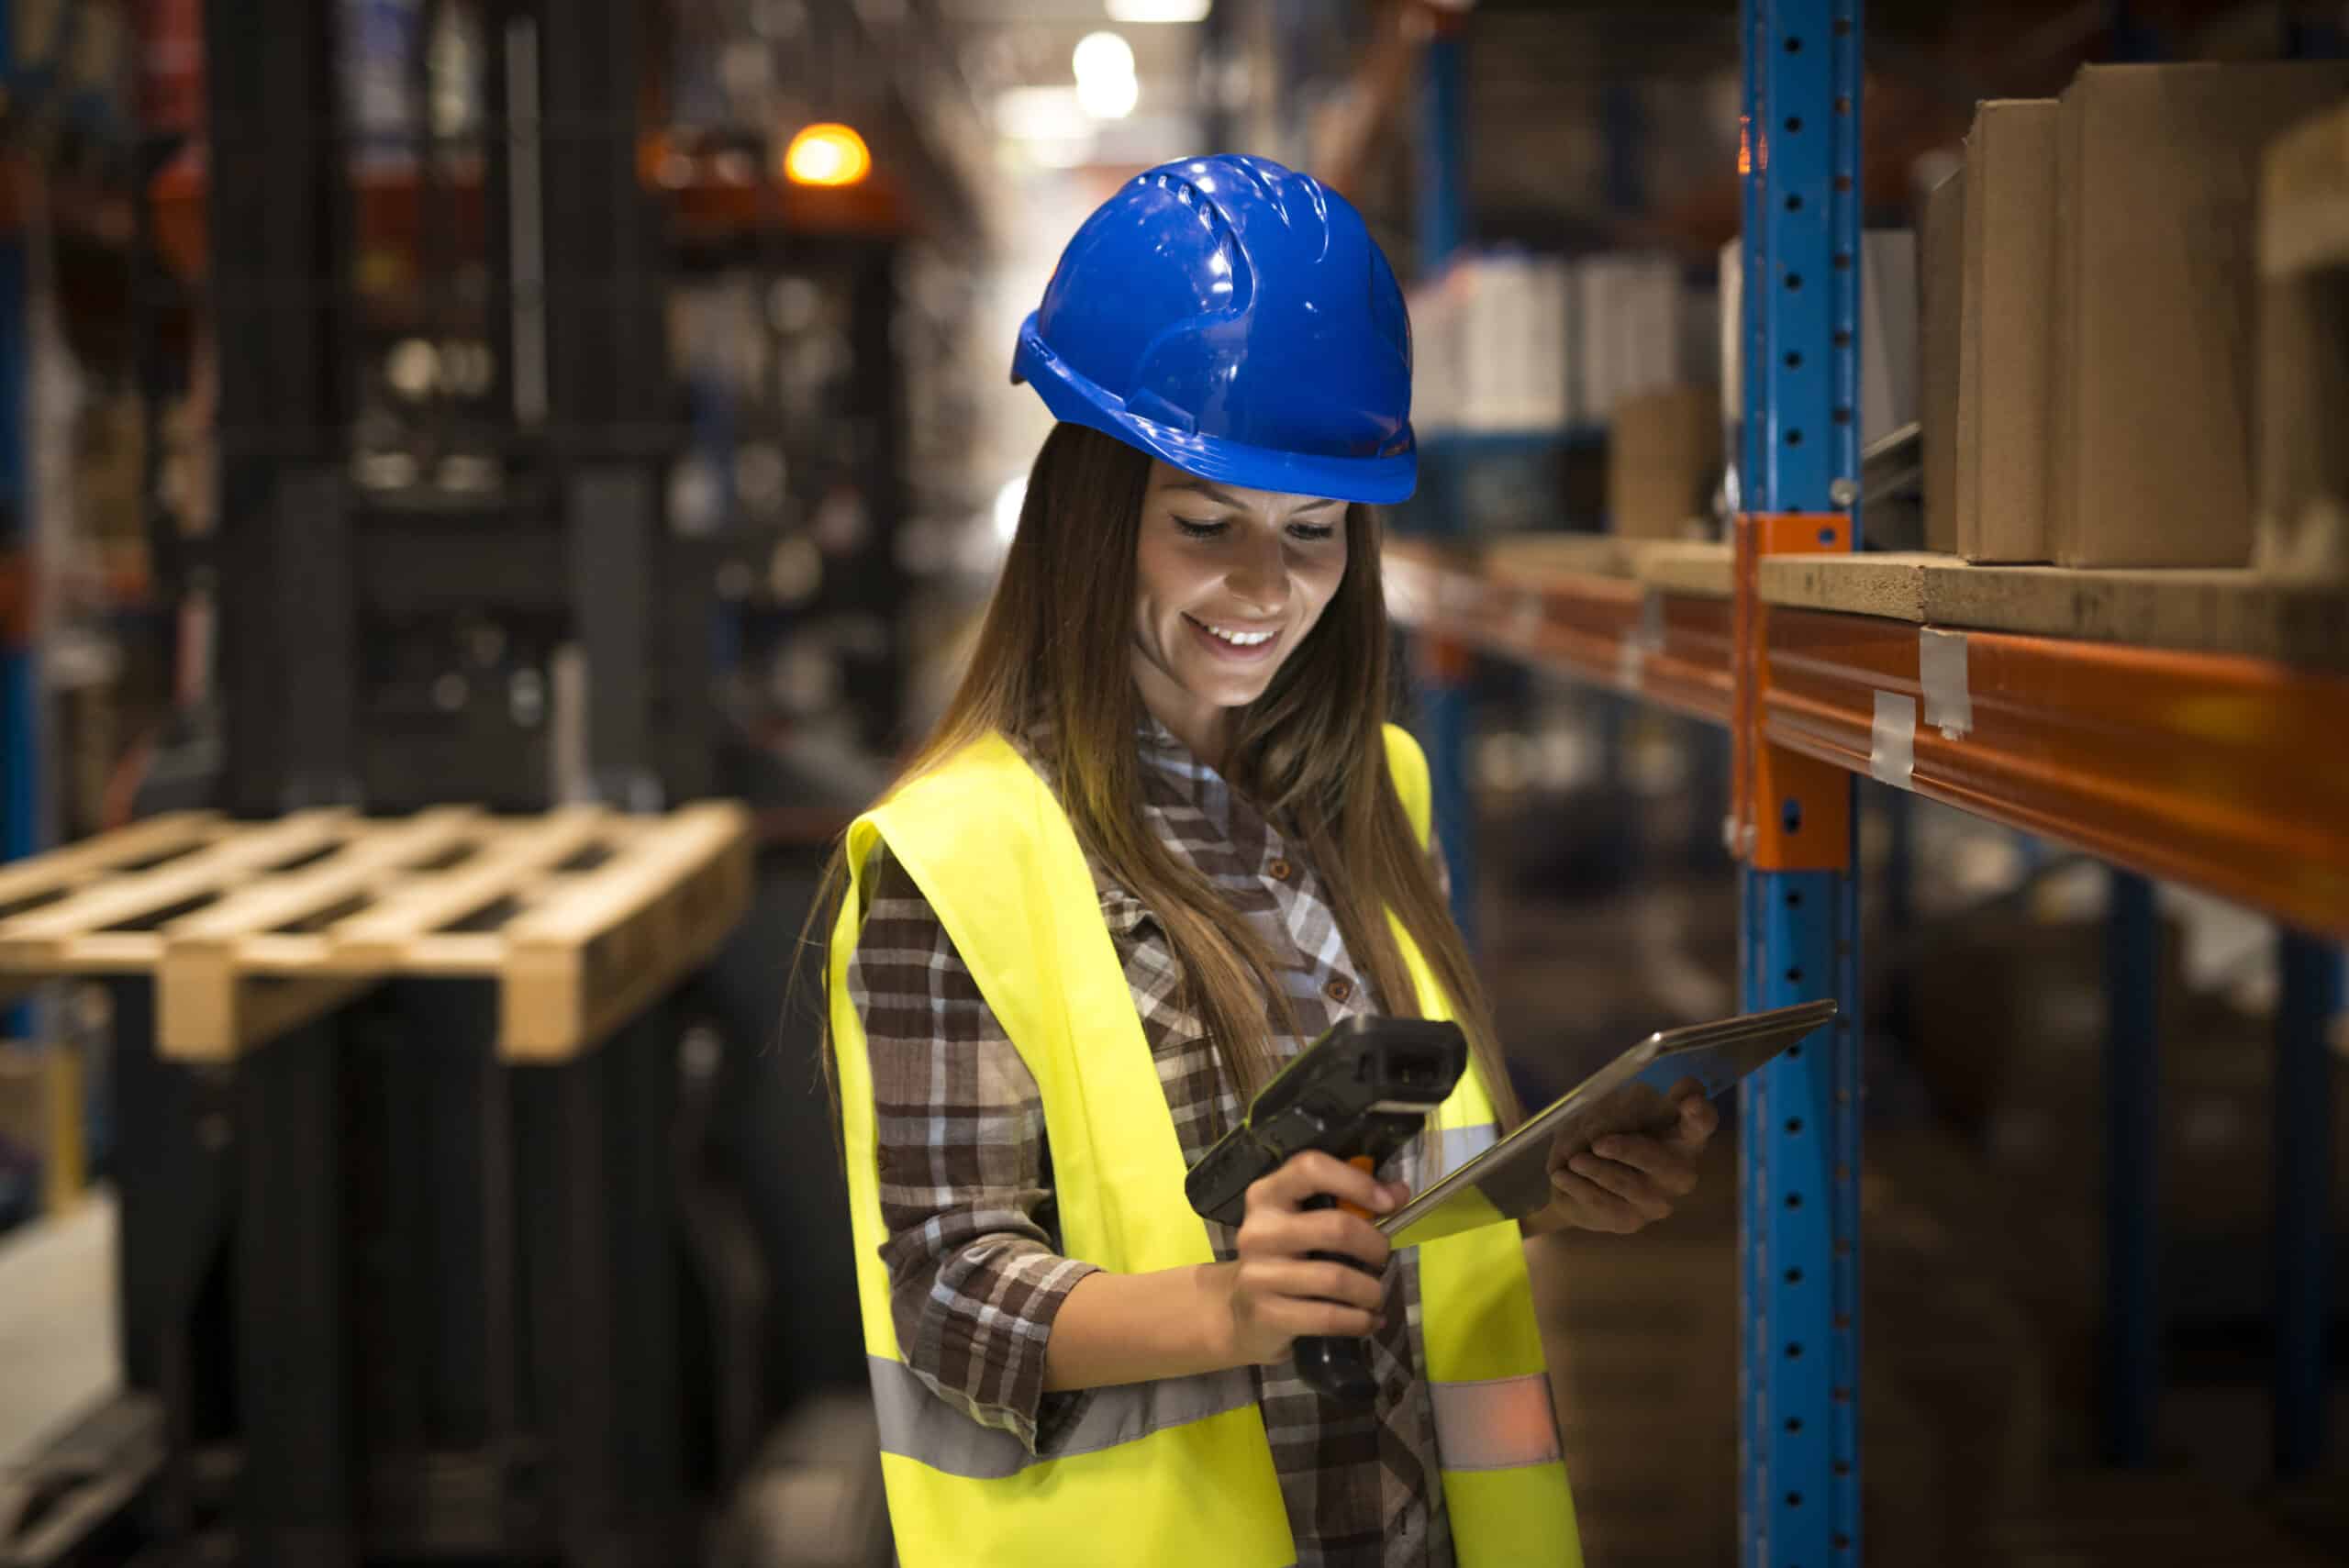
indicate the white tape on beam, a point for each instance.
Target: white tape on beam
{"x":1525,"y":620}
{"x":1941,"y":672}
{"x":1892,"y":740}
{"x":1645,"y":637}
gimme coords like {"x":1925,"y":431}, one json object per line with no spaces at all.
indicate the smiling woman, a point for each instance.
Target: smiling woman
{"x":1228,"y":583}
{"x":1162,"y":840}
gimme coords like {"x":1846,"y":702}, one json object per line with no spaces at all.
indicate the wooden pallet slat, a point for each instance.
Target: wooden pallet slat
{"x":362,"y":865}
{"x":581,"y":917}
{"x":622,"y":934}
{"x":214,"y":1000}
{"x":378,"y":940}
{"x":45,"y":938}
{"x":65,"y":869}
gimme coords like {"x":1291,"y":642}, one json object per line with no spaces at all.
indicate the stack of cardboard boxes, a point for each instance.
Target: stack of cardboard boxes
{"x":2093,"y":273}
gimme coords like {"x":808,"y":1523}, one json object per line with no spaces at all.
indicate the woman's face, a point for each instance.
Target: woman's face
{"x":1229,"y":581}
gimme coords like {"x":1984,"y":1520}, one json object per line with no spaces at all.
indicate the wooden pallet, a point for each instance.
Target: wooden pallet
{"x":583,"y":917}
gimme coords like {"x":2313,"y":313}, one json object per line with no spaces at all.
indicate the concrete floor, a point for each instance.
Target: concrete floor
{"x":59,"y":1342}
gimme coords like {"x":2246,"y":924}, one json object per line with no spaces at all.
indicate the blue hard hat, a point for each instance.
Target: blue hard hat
{"x":1236,"y":319}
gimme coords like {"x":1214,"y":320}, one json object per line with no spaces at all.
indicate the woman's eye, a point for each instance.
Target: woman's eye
{"x":1313,"y":532}
{"x":1198,"y":531}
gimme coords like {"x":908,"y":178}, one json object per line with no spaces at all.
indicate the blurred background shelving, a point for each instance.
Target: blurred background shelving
{"x":409,"y":403}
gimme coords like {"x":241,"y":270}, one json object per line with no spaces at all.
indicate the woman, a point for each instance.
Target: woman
{"x":1161,"y":839}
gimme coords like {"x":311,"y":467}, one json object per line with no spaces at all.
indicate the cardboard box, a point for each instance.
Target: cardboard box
{"x":2303,"y":398}
{"x":2005,"y":372}
{"x":2151,"y":465}
{"x":1664,"y":454}
{"x":1939,"y":294}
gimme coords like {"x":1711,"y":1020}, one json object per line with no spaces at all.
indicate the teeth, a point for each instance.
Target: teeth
{"x":1240,"y":638}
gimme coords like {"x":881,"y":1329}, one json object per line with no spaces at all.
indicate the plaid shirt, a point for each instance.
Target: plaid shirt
{"x":965,"y":1171}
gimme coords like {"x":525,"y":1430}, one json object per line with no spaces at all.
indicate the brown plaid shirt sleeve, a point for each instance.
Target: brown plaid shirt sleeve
{"x":966,"y":1177}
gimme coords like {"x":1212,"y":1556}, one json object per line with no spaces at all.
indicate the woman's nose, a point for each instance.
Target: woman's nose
{"x":1260,"y":576}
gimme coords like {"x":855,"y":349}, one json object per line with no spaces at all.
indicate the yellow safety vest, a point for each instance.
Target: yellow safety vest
{"x":1153,"y":1473}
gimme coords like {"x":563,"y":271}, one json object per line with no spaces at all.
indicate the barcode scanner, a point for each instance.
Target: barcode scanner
{"x":1359,"y":1094}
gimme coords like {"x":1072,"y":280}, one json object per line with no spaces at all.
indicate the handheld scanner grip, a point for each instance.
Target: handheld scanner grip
{"x":1338,"y":1368}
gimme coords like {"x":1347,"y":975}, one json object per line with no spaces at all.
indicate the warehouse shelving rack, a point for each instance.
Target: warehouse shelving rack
{"x":2225,"y":773}
{"x":20,"y":726}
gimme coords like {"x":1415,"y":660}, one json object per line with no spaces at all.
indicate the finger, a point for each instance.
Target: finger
{"x":1594,"y":1208}
{"x":1632,"y":1186}
{"x":1296,"y":1318}
{"x":1303,"y":1279}
{"x":1335,"y":1231}
{"x":1313,"y":1173}
{"x":1292,"y":1233}
{"x":1672,"y":1171}
{"x":1698,"y":1121}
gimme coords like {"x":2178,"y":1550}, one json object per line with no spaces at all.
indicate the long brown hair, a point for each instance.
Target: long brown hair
{"x":1054,"y":660}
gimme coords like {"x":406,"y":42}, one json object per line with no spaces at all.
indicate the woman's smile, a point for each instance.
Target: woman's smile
{"x":1236,"y":640}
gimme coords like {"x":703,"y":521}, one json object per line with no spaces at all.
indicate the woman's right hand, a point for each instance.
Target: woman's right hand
{"x":1277,"y":1292}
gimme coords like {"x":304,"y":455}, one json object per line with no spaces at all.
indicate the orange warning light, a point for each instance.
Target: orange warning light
{"x":827,"y":154}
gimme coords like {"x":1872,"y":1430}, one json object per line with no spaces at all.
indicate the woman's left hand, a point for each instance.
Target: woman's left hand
{"x":1627,"y":1182}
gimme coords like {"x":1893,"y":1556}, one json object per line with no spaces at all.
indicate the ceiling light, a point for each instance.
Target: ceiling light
{"x":1145,"y":12}
{"x":1104,"y":63}
{"x":826,"y":155}
{"x":1109,"y":97}
{"x":1102,"y":56}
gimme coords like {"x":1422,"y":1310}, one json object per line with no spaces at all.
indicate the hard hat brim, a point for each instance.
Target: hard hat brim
{"x":1379,"y":480}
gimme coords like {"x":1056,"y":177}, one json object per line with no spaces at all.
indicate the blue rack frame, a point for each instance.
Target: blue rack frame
{"x":1445,"y":674}
{"x":1800,"y":1116}
{"x":2310,"y":1000}
{"x":1800,"y":1120}
{"x":21,"y":806}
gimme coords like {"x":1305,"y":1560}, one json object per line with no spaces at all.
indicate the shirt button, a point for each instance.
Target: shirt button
{"x":1280,"y":870}
{"x":1339,"y":990}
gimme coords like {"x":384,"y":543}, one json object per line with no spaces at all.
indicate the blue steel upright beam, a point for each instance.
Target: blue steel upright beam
{"x":2133,"y":1320}
{"x":2308,"y":1007}
{"x":21,"y":780}
{"x":1445,"y":670}
{"x":1799,"y":1504}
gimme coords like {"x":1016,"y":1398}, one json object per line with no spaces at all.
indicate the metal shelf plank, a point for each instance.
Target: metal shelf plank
{"x":1670,"y":648}
{"x":2221,"y":772}
{"x":2228,"y":774}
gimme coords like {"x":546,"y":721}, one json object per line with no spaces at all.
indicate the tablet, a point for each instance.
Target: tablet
{"x":1631,"y":1094}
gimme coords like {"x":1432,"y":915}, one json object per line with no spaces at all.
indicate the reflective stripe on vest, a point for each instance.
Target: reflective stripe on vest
{"x":1166,"y":1470}
{"x":1497,"y":1424}
{"x":917,"y":1424}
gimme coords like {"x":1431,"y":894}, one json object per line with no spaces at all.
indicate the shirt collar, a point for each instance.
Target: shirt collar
{"x":1162,"y":752}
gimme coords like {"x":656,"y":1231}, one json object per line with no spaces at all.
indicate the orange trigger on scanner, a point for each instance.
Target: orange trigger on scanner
{"x":1363,"y":1164}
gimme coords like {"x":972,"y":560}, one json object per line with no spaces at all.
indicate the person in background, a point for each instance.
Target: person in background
{"x":1162,"y":839}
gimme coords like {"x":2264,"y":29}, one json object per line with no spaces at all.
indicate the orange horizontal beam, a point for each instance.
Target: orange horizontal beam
{"x":1607,"y":630}
{"x":2225,"y":773}
{"x":2230,"y":774}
